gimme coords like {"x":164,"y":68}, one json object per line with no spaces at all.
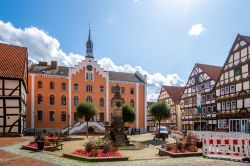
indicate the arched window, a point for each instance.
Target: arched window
{"x":40,"y":84}
{"x":52,"y":85}
{"x":132,"y":103}
{"x":76,"y":100}
{"x":39,"y":99}
{"x":52,"y":100}
{"x":89,"y":99}
{"x":63,"y":100}
{"x":101,"y":102}
{"x":101,"y":88}
{"x":63,"y":86}
{"x":122,"y":90}
{"x":75,"y":87}
{"x":132,"y":91}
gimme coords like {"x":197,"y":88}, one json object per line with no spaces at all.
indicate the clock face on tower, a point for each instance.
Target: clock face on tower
{"x":89,"y":67}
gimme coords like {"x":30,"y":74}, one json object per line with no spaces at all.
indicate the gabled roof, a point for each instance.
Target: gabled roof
{"x":246,"y":38}
{"x":121,"y":76}
{"x":13,"y":62}
{"x":47,"y":69}
{"x":212,"y":71}
{"x":174,"y":92}
{"x":238,"y":37}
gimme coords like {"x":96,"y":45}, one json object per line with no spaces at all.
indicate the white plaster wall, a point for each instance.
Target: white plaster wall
{"x":12,"y":110}
{"x":11,"y":84}
{"x":246,"y":85}
{"x":1,"y":112}
{"x":218,"y":106}
{"x":239,"y":103}
{"x":217,"y":92}
{"x":238,"y":87}
{"x":247,"y":102}
{"x":11,"y":119}
{"x":12,"y":103}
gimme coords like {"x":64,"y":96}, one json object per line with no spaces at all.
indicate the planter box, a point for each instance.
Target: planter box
{"x":95,"y":159}
{"x":47,"y":148}
{"x":171,"y":154}
{"x":29,"y":148}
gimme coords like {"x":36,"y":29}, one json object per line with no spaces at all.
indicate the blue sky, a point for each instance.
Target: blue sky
{"x":152,"y":34}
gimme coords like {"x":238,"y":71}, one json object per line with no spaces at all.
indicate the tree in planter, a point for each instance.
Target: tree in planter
{"x":160,"y":110}
{"x":87,"y":110}
{"x":128,"y":114}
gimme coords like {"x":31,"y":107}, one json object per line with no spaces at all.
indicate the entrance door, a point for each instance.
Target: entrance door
{"x":235,"y":125}
{"x":244,"y":125}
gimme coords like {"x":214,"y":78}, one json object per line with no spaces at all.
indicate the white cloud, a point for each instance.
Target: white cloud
{"x":155,"y":81}
{"x":196,"y":30}
{"x":136,"y":1}
{"x":42,"y":46}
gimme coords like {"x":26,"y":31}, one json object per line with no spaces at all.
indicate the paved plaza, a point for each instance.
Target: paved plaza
{"x":10,"y":154}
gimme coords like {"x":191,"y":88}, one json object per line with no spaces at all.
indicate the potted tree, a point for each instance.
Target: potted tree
{"x":160,"y":110}
{"x":128,"y":115}
{"x":87,"y":110}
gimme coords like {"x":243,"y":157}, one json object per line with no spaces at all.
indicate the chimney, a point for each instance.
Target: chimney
{"x":43,"y":63}
{"x":53,"y":64}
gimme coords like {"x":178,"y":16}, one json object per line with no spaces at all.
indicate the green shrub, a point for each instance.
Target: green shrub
{"x":89,"y":146}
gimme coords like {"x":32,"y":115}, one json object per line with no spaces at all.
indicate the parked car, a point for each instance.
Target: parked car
{"x":163,"y":133}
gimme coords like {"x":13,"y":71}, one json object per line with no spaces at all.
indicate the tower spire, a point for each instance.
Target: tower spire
{"x":89,"y":46}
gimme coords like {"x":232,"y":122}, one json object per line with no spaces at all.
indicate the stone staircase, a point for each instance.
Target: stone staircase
{"x":81,"y":127}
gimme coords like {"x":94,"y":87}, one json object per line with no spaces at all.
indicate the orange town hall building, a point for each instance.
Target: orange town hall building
{"x":55,"y":92}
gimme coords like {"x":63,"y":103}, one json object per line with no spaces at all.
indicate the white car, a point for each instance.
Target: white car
{"x":164,"y":132}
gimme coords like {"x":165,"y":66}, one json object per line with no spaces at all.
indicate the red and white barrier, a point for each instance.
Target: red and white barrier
{"x":233,"y":147}
{"x":222,"y":144}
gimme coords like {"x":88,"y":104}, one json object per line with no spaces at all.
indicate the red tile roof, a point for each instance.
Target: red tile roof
{"x":174,"y":93}
{"x":247,"y":38}
{"x":212,"y":71}
{"x":13,"y":62}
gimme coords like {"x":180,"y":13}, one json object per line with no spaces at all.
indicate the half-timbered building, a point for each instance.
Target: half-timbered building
{"x":13,"y":89}
{"x":232,"y":88}
{"x":200,"y":82}
{"x":151,"y":126}
{"x":172,"y":94}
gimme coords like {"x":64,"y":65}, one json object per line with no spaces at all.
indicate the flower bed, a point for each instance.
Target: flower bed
{"x":33,"y":147}
{"x":95,"y":159}
{"x":183,"y":148}
{"x":99,"y":153}
{"x":180,"y":153}
{"x":97,"y":150}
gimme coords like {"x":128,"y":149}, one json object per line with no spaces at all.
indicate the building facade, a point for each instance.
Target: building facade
{"x":150,"y":119}
{"x":172,"y":94}
{"x":13,"y":89}
{"x":201,"y":82}
{"x":232,"y":89}
{"x":56,"y":91}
